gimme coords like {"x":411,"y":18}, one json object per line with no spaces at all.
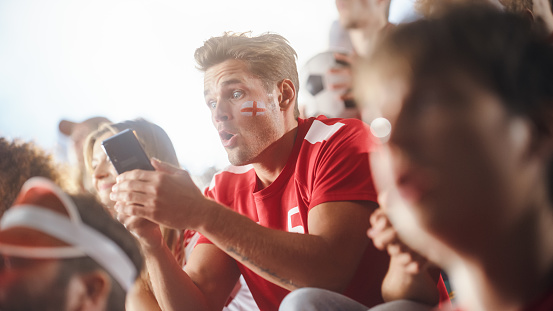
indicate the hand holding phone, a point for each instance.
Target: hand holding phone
{"x":125,"y":152}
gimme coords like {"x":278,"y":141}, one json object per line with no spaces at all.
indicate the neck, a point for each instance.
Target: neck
{"x":275,"y":158}
{"x":517,"y":267}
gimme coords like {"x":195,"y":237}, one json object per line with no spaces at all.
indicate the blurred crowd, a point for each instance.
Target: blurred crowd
{"x":408,"y":167}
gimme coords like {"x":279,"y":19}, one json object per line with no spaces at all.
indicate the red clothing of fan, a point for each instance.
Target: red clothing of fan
{"x":329,"y":162}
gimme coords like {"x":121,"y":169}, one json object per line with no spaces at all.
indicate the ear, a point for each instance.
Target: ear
{"x":96,"y":287}
{"x":287,"y":94}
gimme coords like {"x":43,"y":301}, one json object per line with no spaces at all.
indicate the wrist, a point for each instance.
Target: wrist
{"x":208,"y":216}
{"x":151,"y":248}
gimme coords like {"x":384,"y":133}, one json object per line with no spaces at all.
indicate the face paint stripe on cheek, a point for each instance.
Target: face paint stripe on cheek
{"x":253,"y":108}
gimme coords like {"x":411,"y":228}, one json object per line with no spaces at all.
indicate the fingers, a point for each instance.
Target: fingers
{"x":343,"y":58}
{"x":146,"y":232}
{"x":130,"y":222}
{"x":131,"y":191}
{"x":344,"y":71}
{"x":379,"y":221}
{"x":382,"y":232}
{"x":165,"y":167}
{"x":155,"y":195}
{"x":132,"y":210}
{"x":123,"y":218}
{"x":410,"y":261}
{"x":133,"y":222}
{"x":141,"y":175}
{"x":340,"y":78}
{"x":137,"y":187}
{"x":382,"y":239}
{"x":340,"y":86}
{"x":133,"y":197}
{"x":347,"y":96}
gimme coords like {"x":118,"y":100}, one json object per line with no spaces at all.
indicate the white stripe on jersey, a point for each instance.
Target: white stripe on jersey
{"x":231,"y":169}
{"x":319,"y":132}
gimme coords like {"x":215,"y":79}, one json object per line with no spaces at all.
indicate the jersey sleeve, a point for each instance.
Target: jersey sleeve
{"x":342,"y":171}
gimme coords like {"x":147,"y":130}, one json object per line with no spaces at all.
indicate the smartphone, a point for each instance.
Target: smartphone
{"x":125,"y":152}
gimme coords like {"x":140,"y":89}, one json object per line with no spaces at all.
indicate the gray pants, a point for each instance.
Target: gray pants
{"x":316,"y":299}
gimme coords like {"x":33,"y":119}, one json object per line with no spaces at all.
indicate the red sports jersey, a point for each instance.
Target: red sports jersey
{"x":329,"y":162}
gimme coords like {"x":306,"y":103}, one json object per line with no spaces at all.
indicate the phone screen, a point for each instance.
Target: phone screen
{"x":125,"y":152}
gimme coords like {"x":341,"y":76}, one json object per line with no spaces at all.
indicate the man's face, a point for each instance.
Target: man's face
{"x":355,"y":13}
{"x":31,"y":284}
{"x":456,"y":158}
{"x":247,"y":117}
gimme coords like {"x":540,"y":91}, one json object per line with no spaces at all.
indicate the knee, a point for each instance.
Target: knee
{"x":304,"y":299}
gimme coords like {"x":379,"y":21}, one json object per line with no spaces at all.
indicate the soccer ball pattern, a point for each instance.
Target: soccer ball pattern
{"x":315,"y":95}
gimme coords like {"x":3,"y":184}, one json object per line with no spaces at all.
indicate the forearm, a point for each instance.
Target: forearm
{"x":290,"y":260}
{"x":141,"y":298}
{"x":173,"y":288}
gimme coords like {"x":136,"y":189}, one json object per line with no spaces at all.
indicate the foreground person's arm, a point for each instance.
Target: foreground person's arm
{"x":209,"y":278}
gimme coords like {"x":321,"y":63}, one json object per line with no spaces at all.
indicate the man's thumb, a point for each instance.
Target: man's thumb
{"x":164,"y":167}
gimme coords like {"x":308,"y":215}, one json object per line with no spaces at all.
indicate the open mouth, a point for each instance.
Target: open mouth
{"x":226,"y":138}
{"x":225,"y":135}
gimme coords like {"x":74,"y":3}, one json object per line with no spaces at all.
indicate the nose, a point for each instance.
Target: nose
{"x":222,"y":111}
{"x":102,"y":169}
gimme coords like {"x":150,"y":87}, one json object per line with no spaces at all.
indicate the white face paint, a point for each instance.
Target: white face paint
{"x":253,"y":108}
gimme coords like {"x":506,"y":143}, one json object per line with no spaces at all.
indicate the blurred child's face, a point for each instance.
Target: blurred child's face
{"x":455,"y":158}
{"x":103,"y":173}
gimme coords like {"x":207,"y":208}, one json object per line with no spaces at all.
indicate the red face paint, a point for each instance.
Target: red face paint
{"x":253,"y":108}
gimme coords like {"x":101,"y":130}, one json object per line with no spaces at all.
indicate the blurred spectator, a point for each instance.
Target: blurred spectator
{"x":463,"y":105}
{"x":403,"y":11}
{"x":77,"y":133}
{"x":433,"y":7}
{"x":361,"y":23}
{"x":156,"y":144}
{"x":364,"y":21}
{"x":102,"y":176}
{"x":20,"y":161}
{"x":538,"y":11}
{"x":61,"y":252}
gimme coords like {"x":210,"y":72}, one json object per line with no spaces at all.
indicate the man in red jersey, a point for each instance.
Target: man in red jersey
{"x":292,"y":210}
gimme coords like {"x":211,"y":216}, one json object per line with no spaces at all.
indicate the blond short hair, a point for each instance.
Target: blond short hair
{"x":268,"y":56}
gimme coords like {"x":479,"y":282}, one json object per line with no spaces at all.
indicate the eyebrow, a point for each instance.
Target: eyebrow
{"x":225,"y":83}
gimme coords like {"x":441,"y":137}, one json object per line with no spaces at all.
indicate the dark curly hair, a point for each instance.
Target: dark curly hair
{"x":20,"y":161}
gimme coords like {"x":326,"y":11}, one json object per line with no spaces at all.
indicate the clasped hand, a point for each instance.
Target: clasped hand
{"x":166,"y":196}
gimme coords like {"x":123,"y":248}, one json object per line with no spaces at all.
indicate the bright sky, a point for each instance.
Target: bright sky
{"x":73,"y":59}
